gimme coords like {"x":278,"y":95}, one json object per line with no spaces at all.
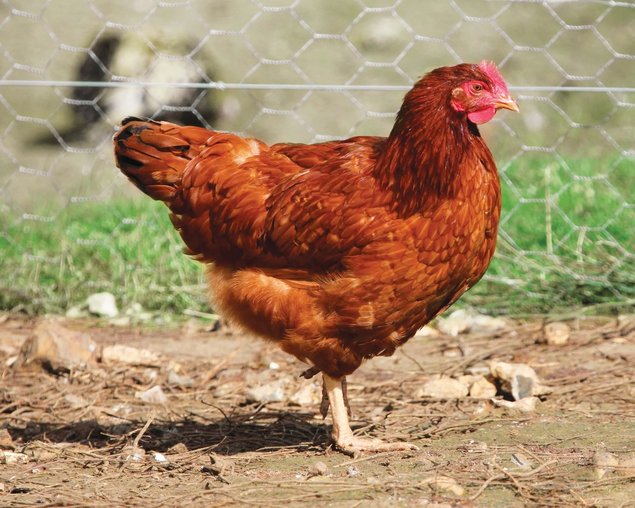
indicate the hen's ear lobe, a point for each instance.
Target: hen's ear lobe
{"x":458,"y":94}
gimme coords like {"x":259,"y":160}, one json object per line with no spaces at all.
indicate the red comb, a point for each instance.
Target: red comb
{"x":489,"y":68}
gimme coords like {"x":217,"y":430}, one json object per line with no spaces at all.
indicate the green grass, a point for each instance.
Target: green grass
{"x":128,"y":248}
{"x":573,"y":253}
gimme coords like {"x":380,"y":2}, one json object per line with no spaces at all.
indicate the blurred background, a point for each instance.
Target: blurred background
{"x":308,"y":71}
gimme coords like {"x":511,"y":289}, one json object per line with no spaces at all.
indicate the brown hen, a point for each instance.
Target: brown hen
{"x":337,"y":251}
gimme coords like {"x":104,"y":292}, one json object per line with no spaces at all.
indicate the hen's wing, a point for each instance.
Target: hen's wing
{"x":285,"y":206}
{"x":317,"y":217}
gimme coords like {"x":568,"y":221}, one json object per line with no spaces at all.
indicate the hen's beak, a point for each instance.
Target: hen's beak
{"x":507,"y":103}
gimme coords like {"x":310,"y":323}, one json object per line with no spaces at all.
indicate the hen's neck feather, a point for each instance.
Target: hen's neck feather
{"x":429,"y":151}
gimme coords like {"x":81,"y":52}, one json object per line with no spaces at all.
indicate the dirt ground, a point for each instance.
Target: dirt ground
{"x":86,"y":438}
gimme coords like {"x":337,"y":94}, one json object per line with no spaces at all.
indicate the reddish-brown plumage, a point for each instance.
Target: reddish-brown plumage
{"x":337,"y":251}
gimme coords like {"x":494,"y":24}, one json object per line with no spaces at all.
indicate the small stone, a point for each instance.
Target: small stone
{"x":150,"y":375}
{"x":455,"y":323}
{"x":159,"y":457}
{"x":468,"y":320}
{"x":352,"y":471}
{"x":103,"y":305}
{"x":154,"y":395}
{"x":270,"y":392}
{"x":482,"y":389}
{"x":526,"y":405}
{"x":443,"y":388}
{"x":517,"y":379}
{"x":274,"y":365}
{"x":444,"y":483}
{"x":133,"y":454}
{"x":556,"y":334}
{"x":452,"y":352}
{"x":177,"y":448}
{"x":308,"y":395}
{"x":12,"y":458}
{"x":520,"y":460}
{"x":604,"y":462}
{"x":119,"y":353}
{"x":56,"y":348}
{"x":427,"y":332}
{"x":318,"y":469}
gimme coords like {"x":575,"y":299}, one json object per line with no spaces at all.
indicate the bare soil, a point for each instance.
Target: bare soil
{"x":88,"y":440}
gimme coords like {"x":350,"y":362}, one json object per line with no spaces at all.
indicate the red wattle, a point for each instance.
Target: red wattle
{"x":482,"y":116}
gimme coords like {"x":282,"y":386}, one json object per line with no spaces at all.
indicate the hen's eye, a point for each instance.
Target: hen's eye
{"x":476,"y":88}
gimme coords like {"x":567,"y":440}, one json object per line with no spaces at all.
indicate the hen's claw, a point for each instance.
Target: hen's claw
{"x":342,"y":434}
{"x":352,"y":445}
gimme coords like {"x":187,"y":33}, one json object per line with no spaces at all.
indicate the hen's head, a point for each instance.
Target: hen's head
{"x":479,"y":90}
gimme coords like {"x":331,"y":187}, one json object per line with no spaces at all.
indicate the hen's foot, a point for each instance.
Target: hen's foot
{"x":353,"y":446}
{"x":342,"y":434}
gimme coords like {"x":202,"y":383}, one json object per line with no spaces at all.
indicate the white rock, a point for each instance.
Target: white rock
{"x":159,"y":457}
{"x":12,"y":458}
{"x":129,"y":355}
{"x":487,"y":324}
{"x":468,"y":320}
{"x":133,"y":454}
{"x":308,"y":395}
{"x":455,"y":323}
{"x":526,"y":405}
{"x":427,"y":331}
{"x":556,"y":334}
{"x":154,"y":395}
{"x":443,"y":388}
{"x":270,"y":392}
{"x":102,"y":304}
{"x":482,"y":389}
{"x":517,"y":379}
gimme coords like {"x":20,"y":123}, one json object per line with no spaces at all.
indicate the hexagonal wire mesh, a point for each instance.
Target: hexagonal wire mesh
{"x":303,"y":71}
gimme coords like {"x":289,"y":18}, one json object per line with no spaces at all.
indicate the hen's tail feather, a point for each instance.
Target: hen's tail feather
{"x":153,"y":155}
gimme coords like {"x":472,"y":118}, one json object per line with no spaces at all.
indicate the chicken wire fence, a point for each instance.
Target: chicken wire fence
{"x":307,"y":71}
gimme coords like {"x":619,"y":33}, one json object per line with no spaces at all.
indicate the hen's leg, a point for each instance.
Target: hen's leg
{"x":324,"y":404}
{"x":342,"y":433}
